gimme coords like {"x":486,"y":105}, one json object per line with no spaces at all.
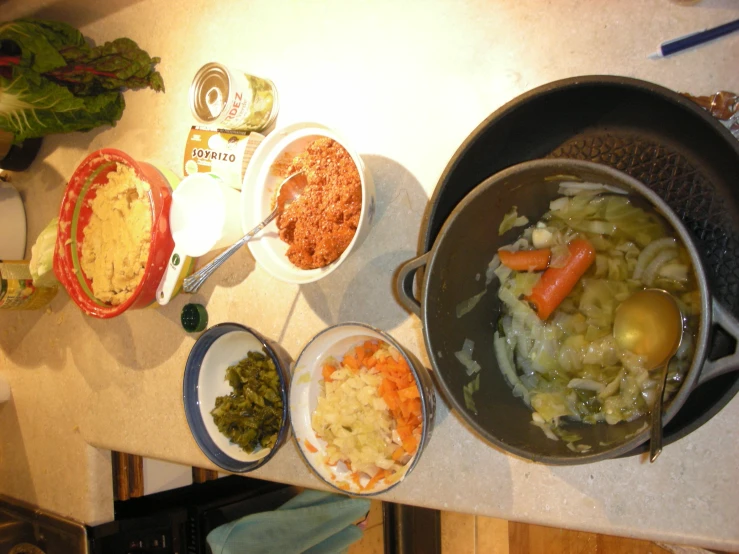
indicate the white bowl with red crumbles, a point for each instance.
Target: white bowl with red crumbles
{"x":327,"y":226}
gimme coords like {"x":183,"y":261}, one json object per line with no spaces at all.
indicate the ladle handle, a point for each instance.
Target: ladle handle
{"x":194,"y":281}
{"x":655,"y":436}
{"x":714,"y":368}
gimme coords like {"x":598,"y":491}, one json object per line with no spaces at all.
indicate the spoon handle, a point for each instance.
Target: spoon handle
{"x":655,"y":437}
{"x":192,"y":283}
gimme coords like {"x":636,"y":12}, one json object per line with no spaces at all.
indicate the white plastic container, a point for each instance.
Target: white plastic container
{"x":204,"y":216}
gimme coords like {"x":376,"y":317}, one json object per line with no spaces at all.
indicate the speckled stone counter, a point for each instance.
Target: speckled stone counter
{"x":405,"y":82}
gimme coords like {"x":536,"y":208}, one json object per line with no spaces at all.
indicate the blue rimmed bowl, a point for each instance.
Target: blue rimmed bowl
{"x":215,"y":350}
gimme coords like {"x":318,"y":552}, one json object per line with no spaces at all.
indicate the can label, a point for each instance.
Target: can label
{"x":232,"y":99}
{"x":238,"y":106}
{"x":17,"y":291}
{"x":223,"y":152}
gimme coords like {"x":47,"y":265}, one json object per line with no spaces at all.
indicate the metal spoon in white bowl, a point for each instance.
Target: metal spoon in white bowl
{"x":289,"y":191}
{"x":649,"y":324}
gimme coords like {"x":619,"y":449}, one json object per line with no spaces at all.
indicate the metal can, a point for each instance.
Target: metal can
{"x":232,"y":99}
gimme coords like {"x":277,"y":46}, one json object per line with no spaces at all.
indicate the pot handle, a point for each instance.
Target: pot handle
{"x":404,"y":283}
{"x":728,"y":323}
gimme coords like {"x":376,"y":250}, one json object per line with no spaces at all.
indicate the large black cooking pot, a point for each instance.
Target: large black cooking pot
{"x":454,"y":271}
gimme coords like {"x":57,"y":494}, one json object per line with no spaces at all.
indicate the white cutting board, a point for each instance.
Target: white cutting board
{"x":12,"y":224}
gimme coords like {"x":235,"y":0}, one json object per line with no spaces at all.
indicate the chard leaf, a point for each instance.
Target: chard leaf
{"x":116,"y":65}
{"x":59,"y":83}
{"x":40,"y":42}
{"x":32,"y":106}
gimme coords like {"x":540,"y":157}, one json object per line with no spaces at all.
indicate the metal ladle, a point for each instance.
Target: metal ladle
{"x":289,"y":191}
{"x":649,"y":324}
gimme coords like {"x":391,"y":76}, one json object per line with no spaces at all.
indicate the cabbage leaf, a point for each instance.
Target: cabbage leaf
{"x":42,"y":255}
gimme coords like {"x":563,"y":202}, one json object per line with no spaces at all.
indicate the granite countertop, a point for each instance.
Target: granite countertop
{"x":405,"y":82}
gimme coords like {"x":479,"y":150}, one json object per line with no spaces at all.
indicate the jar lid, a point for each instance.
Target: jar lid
{"x":194,"y":318}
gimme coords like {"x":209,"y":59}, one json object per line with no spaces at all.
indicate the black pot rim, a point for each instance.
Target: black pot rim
{"x":425,"y":241}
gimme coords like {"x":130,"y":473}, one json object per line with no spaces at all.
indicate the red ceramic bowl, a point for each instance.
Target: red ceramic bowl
{"x":75,"y":213}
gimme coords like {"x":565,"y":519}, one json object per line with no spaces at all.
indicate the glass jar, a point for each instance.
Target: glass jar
{"x":17,"y":291}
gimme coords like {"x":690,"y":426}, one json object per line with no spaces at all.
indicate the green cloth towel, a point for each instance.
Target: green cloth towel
{"x":312,"y":523}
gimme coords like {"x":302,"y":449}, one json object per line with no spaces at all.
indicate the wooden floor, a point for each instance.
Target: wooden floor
{"x":467,"y":534}
{"x":535,"y":538}
{"x":372,"y":542}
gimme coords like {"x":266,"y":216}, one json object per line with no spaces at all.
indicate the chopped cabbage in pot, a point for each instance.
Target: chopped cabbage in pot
{"x":569,"y":366}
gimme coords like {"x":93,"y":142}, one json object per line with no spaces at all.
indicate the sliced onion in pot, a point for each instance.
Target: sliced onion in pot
{"x":560,"y":256}
{"x":650,"y":273}
{"x":537,"y":420}
{"x":466,"y":306}
{"x":571,"y":188}
{"x":649,"y":252}
{"x":506,"y":366}
{"x":674,"y":271}
{"x":612,"y":387}
{"x":490,"y":271}
{"x":586,"y":384}
{"x":558,"y":205}
{"x":465,"y":357}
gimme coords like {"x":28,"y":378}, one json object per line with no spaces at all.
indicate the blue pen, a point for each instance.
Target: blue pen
{"x":694,"y":39}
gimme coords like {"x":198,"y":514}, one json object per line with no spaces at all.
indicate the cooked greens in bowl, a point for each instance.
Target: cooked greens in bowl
{"x":251,"y":414}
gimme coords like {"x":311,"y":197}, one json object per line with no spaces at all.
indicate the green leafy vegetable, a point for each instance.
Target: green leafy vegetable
{"x":251,"y":415}
{"x":40,"y":42}
{"x":116,"y":66}
{"x":31,"y":106}
{"x":55,"y":82}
